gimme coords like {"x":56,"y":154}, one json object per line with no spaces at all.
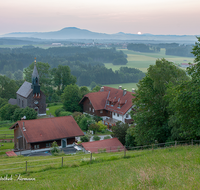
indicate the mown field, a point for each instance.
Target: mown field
{"x":170,"y":168}
{"x":127,"y":86}
{"x":143,"y":60}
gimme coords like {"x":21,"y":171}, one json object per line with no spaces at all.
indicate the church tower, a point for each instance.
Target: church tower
{"x":35,"y":81}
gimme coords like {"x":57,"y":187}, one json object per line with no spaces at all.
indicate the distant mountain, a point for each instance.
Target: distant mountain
{"x":77,"y":33}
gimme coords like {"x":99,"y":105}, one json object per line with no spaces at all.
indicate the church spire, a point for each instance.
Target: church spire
{"x":35,"y":81}
{"x":35,"y":72}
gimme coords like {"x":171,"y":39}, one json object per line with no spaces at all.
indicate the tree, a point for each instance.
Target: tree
{"x":8,"y":87}
{"x":185,"y":103}
{"x":130,"y":137}
{"x":7,"y":111}
{"x":96,"y":89}
{"x":150,"y":106}
{"x":119,"y":130}
{"x":85,"y":122}
{"x":71,"y":97}
{"x":84,"y":90}
{"x":30,"y":113}
{"x":18,"y":75}
{"x":43,"y":71}
{"x":94,"y":127}
{"x":62,"y":77}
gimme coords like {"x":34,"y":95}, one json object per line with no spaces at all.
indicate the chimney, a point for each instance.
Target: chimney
{"x":102,"y":89}
{"x":120,"y":87}
{"x":133,"y":89}
{"x":124,"y":92}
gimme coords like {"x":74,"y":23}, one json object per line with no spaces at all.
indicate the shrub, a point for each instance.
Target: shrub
{"x":65,"y":113}
{"x":107,"y":137}
{"x":54,"y":148}
{"x":85,"y":138}
{"x":96,"y":138}
{"x":57,"y":112}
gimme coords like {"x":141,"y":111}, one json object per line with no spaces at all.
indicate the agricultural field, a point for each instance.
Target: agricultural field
{"x":143,"y":60}
{"x":169,"y":168}
{"x":127,"y":86}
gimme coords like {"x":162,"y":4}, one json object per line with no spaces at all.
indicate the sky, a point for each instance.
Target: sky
{"x":166,"y":17}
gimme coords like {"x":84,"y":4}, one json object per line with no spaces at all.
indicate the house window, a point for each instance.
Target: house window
{"x":89,"y":109}
{"x":126,"y":115}
{"x":22,"y":103}
{"x":108,"y":102}
{"x":48,"y":144}
{"x":114,"y":113}
{"x":92,"y":110}
{"x":117,"y":115}
{"x":101,"y":111}
{"x":36,"y":146}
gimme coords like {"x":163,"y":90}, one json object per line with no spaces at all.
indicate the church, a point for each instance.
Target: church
{"x":29,"y":94}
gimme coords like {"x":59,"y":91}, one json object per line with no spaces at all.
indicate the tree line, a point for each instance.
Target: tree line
{"x":12,"y":60}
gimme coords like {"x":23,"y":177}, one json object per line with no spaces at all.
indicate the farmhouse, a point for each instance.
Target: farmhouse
{"x":29,"y":94}
{"x":108,"y":145}
{"x":109,"y":103}
{"x":39,"y":134}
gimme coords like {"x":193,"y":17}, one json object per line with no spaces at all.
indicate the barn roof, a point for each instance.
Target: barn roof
{"x":39,"y":130}
{"x":25,"y":89}
{"x":111,"y":145}
{"x":115,"y":96}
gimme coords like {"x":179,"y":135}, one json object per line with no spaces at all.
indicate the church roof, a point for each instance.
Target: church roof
{"x":25,"y":89}
{"x":12,"y":101}
{"x":35,"y":72}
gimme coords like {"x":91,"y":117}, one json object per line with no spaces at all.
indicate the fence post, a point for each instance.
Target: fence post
{"x":192,"y":142}
{"x":90,"y":158}
{"x":175,"y":143}
{"x":26,"y":166}
{"x":62,"y":161}
{"x":124,"y":151}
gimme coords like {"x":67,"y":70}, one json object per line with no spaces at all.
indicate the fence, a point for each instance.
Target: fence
{"x":31,"y":164}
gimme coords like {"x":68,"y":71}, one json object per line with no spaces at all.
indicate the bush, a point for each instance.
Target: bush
{"x":85,"y":138}
{"x":107,"y":137}
{"x":65,"y":113}
{"x":57,"y":112}
{"x":96,"y":138}
{"x":54,"y":148}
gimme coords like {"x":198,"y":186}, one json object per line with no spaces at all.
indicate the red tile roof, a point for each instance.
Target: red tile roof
{"x":98,"y":100}
{"x":111,"y":145}
{"x":11,"y":153}
{"x":47,"y":129}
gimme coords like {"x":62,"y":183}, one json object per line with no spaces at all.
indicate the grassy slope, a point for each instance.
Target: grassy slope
{"x":172,"y":168}
{"x":52,"y":109}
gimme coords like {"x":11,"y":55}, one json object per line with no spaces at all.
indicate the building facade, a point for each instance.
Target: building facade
{"x":109,"y":103}
{"x":29,"y":94}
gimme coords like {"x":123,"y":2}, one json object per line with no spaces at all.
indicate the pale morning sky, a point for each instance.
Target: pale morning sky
{"x":105,"y":16}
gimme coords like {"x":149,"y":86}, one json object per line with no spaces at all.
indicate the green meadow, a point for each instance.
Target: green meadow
{"x":127,"y":86}
{"x":169,"y":168}
{"x":143,"y":60}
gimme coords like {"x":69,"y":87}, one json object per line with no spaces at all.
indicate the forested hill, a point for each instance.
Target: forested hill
{"x":85,"y":63}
